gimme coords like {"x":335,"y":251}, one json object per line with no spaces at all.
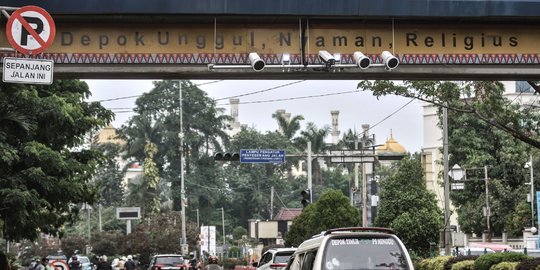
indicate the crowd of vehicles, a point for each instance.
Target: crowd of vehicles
{"x":342,"y":249}
{"x":274,"y":259}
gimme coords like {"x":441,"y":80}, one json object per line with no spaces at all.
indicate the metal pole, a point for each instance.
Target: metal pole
{"x":271,"y":202}
{"x":488,"y":211}
{"x":99,"y":216}
{"x":223,"y":224}
{"x":88,"y":220}
{"x":182,"y":174}
{"x":356,"y":185}
{"x":309,"y":179}
{"x":532,"y":192}
{"x":447,"y":244}
{"x":364,"y":195}
{"x":198,"y":227}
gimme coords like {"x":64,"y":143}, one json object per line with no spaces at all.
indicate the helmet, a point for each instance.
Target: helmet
{"x":213,"y":260}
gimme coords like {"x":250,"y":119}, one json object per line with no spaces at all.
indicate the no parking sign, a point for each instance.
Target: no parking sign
{"x":30,"y":30}
{"x":59,"y":265}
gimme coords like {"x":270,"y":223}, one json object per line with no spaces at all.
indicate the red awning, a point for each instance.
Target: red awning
{"x":494,"y":246}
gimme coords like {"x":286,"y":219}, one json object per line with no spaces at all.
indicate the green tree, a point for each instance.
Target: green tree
{"x":45,"y":173}
{"x":332,"y":210}
{"x":409,"y":208}
{"x":316,"y":136}
{"x":289,"y":128}
{"x":250,"y":184}
{"x":483,"y":100}
{"x":158,"y":115}
{"x":151,"y":176}
{"x":109,"y":175}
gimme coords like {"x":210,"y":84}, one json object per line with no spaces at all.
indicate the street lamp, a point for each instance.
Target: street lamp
{"x":457,"y":173}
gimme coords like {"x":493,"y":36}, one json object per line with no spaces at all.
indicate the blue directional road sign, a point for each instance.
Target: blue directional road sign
{"x":262,"y":156}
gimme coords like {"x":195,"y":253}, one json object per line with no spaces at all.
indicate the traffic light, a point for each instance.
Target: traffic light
{"x":306,"y":197}
{"x":227,"y":157}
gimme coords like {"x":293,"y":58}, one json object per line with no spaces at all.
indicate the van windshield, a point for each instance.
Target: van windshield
{"x":363,"y":253}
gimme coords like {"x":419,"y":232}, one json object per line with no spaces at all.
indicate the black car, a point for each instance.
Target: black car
{"x":167,"y":262}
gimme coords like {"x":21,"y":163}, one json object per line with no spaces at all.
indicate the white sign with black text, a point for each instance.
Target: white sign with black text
{"x":26,"y":70}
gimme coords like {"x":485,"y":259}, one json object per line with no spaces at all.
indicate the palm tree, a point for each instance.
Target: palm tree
{"x":288,"y":128}
{"x":318,"y":146}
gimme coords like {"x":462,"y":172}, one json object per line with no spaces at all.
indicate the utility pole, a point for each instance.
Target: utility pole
{"x":447,"y":243}
{"x":488,"y":211}
{"x":182,"y":174}
{"x":309,"y":160}
{"x":532,"y":191}
{"x":271,"y":202}
{"x":223,"y":224}
{"x":356,"y":185}
{"x":364,"y":195}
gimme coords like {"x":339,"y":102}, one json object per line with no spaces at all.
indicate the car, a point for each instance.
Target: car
{"x":352,"y":248}
{"x":86,"y":264}
{"x":57,"y":258}
{"x":167,"y":262}
{"x":274,"y":259}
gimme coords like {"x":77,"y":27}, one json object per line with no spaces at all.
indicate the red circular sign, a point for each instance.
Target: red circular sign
{"x":30,"y":30}
{"x":59,"y":265}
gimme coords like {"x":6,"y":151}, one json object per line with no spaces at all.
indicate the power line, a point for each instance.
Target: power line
{"x":392,"y":114}
{"x":295,"y":98}
{"x":135,"y":96}
{"x":261,"y":91}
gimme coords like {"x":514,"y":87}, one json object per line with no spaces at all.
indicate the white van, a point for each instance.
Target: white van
{"x":352,"y":248}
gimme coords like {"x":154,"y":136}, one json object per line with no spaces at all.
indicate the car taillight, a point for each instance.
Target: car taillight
{"x":278,"y":265}
{"x":157,"y":267}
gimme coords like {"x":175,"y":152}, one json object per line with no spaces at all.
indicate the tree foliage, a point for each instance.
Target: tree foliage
{"x":109,"y":175}
{"x":332,"y":210}
{"x":409,"y":208}
{"x":157,"y":120}
{"x":483,"y":100}
{"x":45,"y":174}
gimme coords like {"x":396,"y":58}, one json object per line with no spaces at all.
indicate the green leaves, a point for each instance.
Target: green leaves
{"x":409,"y":208}
{"x":43,"y":174}
{"x":332,"y":210}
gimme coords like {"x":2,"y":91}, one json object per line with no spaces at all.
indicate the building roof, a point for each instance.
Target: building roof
{"x":391,"y":146}
{"x":288,"y":213}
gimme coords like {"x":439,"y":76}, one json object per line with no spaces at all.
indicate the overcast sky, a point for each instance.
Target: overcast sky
{"x":312,"y":99}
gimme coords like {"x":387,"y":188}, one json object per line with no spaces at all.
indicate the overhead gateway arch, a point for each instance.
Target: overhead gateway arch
{"x":194,"y":39}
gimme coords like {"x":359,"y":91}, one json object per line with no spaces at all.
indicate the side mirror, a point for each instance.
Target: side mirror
{"x":255,"y":264}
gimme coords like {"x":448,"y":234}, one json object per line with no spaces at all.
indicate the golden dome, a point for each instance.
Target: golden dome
{"x":391,"y":146}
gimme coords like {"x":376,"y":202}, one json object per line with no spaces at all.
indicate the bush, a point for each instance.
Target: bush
{"x":436,"y":263}
{"x":463,"y":265}
{"x":529,"y":264}
{"x":449,"y":264}
{"x":230,"y":263}
{"x":505,"y":266}
{"x":233,"y":252}
{"x":485,"y":261}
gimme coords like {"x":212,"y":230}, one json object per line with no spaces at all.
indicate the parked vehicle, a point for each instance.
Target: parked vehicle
{"x":86,"y":264}
{"x":274,"y":259}
{"x":57,"y":258}
{"x":352,"y":248}
{"x":167,"y":262}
